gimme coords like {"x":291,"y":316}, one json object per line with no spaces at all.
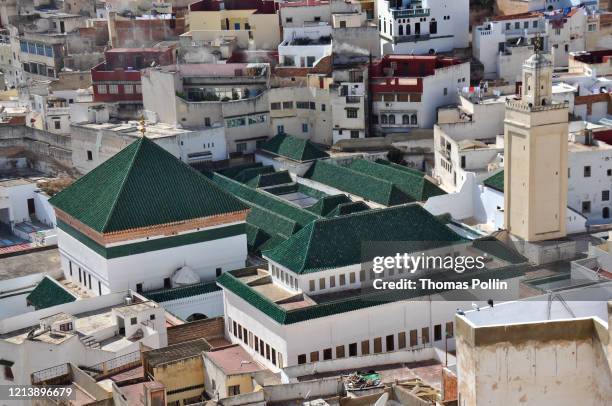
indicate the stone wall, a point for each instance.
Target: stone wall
{"x":53,"y":150}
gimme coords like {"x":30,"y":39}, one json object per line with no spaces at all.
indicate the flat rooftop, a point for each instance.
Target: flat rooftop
{"x":187,"y":349}
{"x":100,"y":322}
{"x":234,"y":360}
{"x":15,"y":182}
{"x":583,"y":302}
{"x":30,"y":263}
{"x":430,"y":371}
{"x":217,"y":70}
{"x":582,"y":147}
{"x":486,"y":99}
{"x":256,"y":286}
{"x":132,"y":129}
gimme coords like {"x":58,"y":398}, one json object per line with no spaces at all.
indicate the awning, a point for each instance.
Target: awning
{"x":6,"y":363}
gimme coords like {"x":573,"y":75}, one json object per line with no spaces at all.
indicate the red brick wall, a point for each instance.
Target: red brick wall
{"x":449,"y":385}
{"x":208,"y":328}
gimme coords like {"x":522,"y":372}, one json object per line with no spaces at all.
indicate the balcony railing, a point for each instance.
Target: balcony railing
{"x":49,"y":374}
{"x":353,"y":99}
{"x":121,"y":363}
{"x":411,"y":38}
{"x":411,"y":12}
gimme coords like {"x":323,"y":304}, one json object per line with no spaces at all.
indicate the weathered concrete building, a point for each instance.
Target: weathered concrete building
{"x":547,"y":350}
{"x":204,"y":95}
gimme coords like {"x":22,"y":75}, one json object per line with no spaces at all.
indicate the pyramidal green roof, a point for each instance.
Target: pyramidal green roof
{"x":48,"y":293}
{"x":294,"y":148}
{"x":143,"y":185}
{"x":336,"y":242}
{"x":495,"y":181}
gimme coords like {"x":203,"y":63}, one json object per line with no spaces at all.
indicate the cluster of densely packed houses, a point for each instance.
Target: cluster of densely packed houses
{"x":232,"y":157}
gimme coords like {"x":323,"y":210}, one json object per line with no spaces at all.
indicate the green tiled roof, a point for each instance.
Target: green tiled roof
{"x":252,"y":196}
{"x":296,"y":187}
{"x":48,"y":293}
{"x":497,"y":248}
{"x":142,"y":185}
{"x":250,"y":173}
{"x":270,"y":179}
{"x":294,"y":148}
{"x":411,"y":182}
{"x":495,"y":181}
{"x":256,"y":237}
{"x":233,"y":171}
{"x":166,"y":295}
{"x":357,"y":183}
{"x":283,"y":189}
{"x":271,"y":219}
{"x":336,"y":242}
{"x":271,"y":222}
{"x":393,"y":165}
{"x":327,"y":204}
{"x":348,"y":208}
{"x":351,"y":303}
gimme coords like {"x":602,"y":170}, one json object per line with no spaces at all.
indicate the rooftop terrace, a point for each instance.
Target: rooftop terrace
{"x":580,"y":302}
{"x":172,"y":353}
{"x":255,"y":286}
{"x":260,"y":6}
{"x":234,"y":360}
{"x":100,"y":322}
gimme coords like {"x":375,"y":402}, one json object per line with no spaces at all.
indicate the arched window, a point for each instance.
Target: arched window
{"x":400,"y":30}
{"x":383,"y":119}
{"x":408,"y":29}
{"x":391,"y":118}
{"x":413,"y":119}
{"x":405,"y":119}
{"x":196,"y":316}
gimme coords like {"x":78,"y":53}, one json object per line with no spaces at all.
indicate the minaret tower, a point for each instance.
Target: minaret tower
{"x":535,"y":156}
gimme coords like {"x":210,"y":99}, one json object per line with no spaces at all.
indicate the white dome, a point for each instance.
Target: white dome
{"x":184,"y":276}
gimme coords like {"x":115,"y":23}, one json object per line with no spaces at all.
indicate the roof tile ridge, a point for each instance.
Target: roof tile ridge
{"x":310,"y":238}
{"x":127,"y":172}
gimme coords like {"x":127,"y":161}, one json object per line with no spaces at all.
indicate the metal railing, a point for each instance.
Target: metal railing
{"x":123,"y":362}
{"x":411,"y":12}
{"x":45,"y":375}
